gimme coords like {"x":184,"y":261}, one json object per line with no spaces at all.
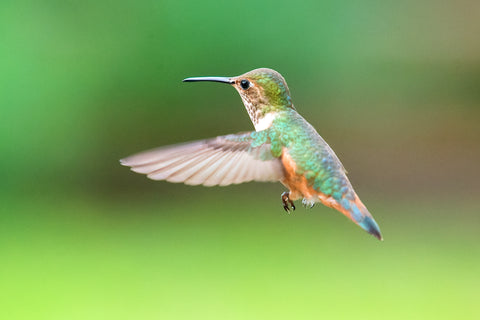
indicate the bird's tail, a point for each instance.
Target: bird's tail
{"x":358,"y":213}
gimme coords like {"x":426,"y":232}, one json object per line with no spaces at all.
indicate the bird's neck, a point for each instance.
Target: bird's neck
{"x":263,"y":117}
{"x":264,"y":122}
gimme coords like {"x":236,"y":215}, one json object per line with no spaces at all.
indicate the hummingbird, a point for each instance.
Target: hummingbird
{"x":284,"y":147}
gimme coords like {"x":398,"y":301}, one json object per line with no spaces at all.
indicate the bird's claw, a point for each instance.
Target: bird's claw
{"x":287,"y":202}
{"x":308,"y":204}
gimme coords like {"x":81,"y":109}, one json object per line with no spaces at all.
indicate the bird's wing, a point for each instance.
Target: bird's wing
{"x":223,"y":160}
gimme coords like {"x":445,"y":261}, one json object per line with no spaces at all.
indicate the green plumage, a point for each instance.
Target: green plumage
{"x":279,"y":132}
{"x":314,"y":159}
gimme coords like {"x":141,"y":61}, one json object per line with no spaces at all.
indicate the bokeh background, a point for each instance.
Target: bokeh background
{"x":393,"y":86}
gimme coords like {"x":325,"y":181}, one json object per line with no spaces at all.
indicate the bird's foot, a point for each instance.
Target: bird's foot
{"x":286,"y":202}
{"x":309,"y":204}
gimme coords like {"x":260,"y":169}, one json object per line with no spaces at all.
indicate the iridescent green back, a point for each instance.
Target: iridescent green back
{"x":313,"y":157}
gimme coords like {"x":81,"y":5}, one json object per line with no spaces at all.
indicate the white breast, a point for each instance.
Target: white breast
{"x":265,"y":122}
{"x":260,"y":122}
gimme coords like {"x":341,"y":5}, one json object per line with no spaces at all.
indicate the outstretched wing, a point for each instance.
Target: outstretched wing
{"x":223,"y":160}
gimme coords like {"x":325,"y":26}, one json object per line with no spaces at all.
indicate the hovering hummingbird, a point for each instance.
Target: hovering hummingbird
{"x":284,"y":147}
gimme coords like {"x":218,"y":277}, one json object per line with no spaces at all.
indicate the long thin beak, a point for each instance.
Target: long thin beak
{"x":213,"y":79}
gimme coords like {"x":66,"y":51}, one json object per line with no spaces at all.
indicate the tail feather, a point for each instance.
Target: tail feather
{"x":358,"y":213}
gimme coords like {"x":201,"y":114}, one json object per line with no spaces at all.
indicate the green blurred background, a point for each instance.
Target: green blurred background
{"x":393,"y":86}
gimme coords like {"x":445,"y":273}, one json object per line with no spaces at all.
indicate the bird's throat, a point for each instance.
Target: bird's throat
{"x":265,"y":122}
{"x":261,"y":120}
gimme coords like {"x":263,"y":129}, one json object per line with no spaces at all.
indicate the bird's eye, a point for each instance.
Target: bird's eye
{"x":245,"y":84}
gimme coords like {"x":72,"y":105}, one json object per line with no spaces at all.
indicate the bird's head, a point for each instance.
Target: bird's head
{"x":264,"y":92}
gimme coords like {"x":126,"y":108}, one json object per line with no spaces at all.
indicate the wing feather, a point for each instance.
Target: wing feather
{"x":165,"y":169}
{"x":233,"y":169}
{"x":207,"y":171}
{"x":216,"y":177}
{"x":221,"y":161}
{"x":242,"y":172}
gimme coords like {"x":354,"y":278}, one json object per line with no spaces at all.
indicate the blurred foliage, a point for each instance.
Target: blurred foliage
{"x":392,"y":86}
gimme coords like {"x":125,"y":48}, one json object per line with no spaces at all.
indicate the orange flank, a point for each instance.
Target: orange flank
{"x":300,"y":188}
{"x":253,"y":156}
